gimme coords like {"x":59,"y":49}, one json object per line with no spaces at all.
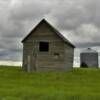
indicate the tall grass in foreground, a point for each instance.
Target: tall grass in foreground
{"x":78,"y":84}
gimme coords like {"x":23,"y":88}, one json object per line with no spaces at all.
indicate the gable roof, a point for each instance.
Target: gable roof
{"x":56,"y":31}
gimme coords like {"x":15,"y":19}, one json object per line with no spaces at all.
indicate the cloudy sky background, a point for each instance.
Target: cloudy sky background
{"x":78,"y":20}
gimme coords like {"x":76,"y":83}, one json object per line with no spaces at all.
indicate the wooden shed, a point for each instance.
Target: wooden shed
{"x":44,"y":48}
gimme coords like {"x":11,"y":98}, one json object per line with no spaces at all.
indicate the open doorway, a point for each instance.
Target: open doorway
{"x":84,"y":65}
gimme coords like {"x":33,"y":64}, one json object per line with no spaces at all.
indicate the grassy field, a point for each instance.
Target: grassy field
{"x":79,"y":84}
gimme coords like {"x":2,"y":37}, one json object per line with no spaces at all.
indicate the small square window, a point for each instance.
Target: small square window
{"x":43,"y":46}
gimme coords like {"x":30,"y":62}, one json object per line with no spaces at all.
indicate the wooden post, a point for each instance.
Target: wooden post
{"x":29,"y":63}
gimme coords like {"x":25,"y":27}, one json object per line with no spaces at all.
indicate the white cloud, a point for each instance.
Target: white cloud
{"x":11,"y":63}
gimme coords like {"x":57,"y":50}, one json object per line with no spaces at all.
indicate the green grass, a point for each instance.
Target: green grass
{"x":79,"y":84}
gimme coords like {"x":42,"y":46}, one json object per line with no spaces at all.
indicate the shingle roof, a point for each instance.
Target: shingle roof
{"x":56,"y":31}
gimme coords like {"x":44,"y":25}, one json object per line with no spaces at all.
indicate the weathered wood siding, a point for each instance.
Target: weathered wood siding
{"x":47,"y":60}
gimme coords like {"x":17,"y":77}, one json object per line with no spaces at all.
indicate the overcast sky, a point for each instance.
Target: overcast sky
{"x":78,"y":20}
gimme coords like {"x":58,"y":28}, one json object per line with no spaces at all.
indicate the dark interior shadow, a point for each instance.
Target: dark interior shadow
{"x":84,"y":65}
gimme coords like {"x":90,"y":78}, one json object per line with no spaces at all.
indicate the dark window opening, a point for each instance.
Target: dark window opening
{"x":44,"y":46}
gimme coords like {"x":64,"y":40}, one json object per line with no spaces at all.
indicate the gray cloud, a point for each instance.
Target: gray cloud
{"x":77,"y":20}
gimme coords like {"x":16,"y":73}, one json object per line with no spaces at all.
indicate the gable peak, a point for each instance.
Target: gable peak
{"x":44,"y":21}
